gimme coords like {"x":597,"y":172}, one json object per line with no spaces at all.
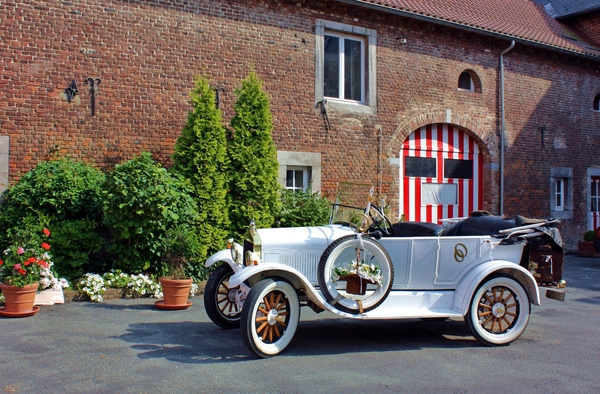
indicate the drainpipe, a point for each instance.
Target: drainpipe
{"x":502,"y":125}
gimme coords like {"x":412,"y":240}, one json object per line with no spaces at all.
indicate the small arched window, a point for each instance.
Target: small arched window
{"x":469,"y":81}
{"x":597,"y":103}
{"x":465,"y":82}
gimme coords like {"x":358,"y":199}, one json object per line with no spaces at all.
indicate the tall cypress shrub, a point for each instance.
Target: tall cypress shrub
{"x":201,"y":156}
{"x":254,"y":192}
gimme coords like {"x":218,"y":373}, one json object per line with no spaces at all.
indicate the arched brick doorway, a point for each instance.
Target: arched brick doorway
{"x":441,"y":174}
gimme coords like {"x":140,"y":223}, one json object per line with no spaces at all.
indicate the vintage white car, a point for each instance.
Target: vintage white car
{"x":361,"y":266}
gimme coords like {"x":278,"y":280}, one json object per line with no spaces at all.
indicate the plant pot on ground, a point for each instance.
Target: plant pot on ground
{"x":586,"y":248}
{"x":180,"y":249}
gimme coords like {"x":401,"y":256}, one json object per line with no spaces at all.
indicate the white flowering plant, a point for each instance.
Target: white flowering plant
{"x":370,"y":272}
{"x":140,"y":285}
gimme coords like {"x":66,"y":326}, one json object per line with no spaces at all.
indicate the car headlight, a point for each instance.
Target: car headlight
{"x":251,"y":258}
{"x":236,"y":251}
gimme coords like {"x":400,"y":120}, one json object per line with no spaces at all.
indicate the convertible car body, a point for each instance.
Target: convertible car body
{"x":361,"y":266}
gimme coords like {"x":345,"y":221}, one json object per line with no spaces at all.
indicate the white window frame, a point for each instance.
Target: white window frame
{"x":342,"y":67}
{"x":369,"y":57}
{"x":305,"y":178}
{"x":559,"y":194}
{"x":561,"y":202}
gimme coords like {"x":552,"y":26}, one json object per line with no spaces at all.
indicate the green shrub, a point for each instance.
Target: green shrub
{"x":302,"y":209}
{"x":73,"y":243}
{"x":201,"y":157}
{"x":254,"y":192}
{"x":589,"y":236}
{"x":143,"y":202}
{"x":58,"y":189}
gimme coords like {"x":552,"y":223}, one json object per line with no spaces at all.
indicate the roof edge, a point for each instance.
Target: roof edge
{"x":460,"y":26}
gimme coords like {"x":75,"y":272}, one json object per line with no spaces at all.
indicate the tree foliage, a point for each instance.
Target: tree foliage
{"x":201,"y":156}
{"x":143,"y":202}
{"x":254,"y":192}
{"x":299,"y":209}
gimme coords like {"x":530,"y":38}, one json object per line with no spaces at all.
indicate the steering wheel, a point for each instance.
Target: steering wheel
{"x":380,"y":221}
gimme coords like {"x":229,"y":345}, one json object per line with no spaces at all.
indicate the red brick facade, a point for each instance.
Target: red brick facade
{"x":146,"y":54}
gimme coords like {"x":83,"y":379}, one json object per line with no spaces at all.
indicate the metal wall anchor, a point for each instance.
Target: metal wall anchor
{"x":219,"y":90}
{"x":93,"y":89}
{"x":321,"y":104}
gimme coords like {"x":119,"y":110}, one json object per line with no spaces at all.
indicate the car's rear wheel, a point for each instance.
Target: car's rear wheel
{"x":340,"y":253}
{"x":221,"y":300}
{"x":270,"y":317}
{"x":499,"y":311}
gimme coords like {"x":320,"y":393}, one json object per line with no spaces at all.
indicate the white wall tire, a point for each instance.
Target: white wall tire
{"x":342,"y":251}
{"x":270,"y":317}
{"x":499,"y":311}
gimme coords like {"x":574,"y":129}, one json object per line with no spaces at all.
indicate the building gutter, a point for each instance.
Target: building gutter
{"x":471,"y":29}
{"x":502,"y":125}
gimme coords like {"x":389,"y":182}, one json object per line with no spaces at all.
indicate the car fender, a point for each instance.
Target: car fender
{"x":223,"y":255}
{"x":470,"y":282}
{"x":253,"y":274}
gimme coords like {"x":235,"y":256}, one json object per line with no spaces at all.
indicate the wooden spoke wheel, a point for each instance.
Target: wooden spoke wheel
{"x":270,"y":317}
{"x":221,"y":300}
{"x":499,"y":311}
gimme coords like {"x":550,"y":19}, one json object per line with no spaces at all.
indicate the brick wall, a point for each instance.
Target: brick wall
{"x":146,"y":54}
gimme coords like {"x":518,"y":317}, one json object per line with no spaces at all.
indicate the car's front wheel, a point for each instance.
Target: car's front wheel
{"x":270,"y":317}
{"x":499,"y":311}
{"x":221,"y":300}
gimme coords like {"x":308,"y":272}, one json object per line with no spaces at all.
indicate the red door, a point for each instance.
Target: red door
{"x":442,"y":174}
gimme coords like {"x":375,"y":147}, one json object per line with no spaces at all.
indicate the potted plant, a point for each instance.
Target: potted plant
{"x":586,"y":248}
{"x":180,"y":249}
{"x":22,"y":265}
{"x":358,"y":275}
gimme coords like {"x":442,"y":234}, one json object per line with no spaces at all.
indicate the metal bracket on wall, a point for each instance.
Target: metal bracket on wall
{"x":71,"y":91}
{"x":218,"y":91}
{"x":93,"y":89}
{"x":321,"y":104}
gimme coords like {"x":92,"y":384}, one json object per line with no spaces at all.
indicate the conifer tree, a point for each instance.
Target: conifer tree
{"x":201,"y":156}
{"x":254,"y":192}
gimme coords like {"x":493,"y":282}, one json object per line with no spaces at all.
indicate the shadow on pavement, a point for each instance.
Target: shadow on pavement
{"x":196,"y":342}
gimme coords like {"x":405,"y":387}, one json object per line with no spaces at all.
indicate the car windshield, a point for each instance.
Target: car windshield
{"x":350,"y":203}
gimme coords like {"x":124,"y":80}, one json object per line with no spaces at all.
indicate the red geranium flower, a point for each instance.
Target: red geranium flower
{"x":47,"y":232}
{"x":45,"y":246}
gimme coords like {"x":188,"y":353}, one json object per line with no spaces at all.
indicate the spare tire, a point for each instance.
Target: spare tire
{"x":341,"y":252}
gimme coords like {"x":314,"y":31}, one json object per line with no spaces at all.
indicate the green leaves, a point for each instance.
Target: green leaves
{"x":254,"y":192}
{"x":143,"y":202}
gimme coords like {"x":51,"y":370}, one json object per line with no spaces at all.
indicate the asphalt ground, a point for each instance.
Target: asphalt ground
{"x":130,"y":346}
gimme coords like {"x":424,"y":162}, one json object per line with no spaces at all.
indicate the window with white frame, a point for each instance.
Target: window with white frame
{"x":561,"y":192}
{"x":345,"y":73}
{"x":297,"y":178}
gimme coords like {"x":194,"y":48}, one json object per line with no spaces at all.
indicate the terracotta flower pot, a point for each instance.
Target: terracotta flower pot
{"x":19,"y":299}
{"x":175,"y":293}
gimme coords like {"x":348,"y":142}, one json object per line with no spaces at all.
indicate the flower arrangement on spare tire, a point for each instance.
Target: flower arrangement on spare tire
{"x":358,"y":275}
